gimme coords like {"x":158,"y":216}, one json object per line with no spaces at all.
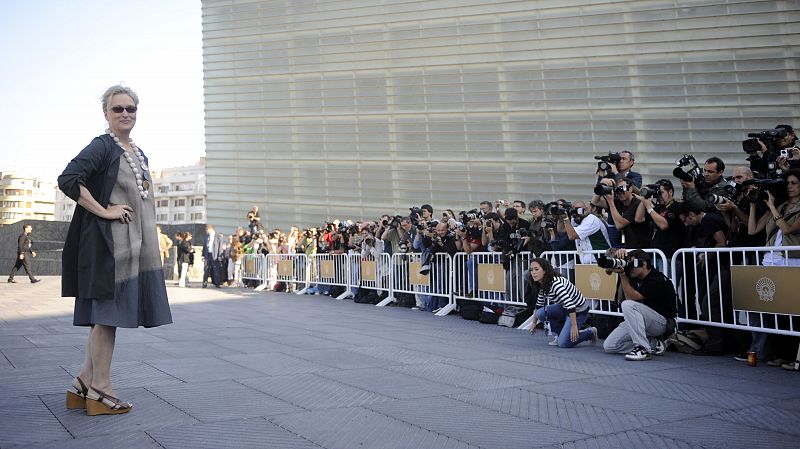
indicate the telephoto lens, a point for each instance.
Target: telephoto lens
{"x":602,"y":189}
{"x":716,"y":199}
{"x":611,"y":262}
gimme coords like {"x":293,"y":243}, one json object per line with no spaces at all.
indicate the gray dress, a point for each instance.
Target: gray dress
{"x":140,"y":295}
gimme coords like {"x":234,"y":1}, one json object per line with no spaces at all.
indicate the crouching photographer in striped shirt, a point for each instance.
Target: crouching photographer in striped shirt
{"x":561,"y":304}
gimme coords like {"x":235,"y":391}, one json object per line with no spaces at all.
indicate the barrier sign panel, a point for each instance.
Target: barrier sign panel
{"x":414,"y":277}
{"x":326,"y":269}
{"x":491,"y":277}
{"x":594,"y":283}
{"x":285,"y":268}
{"x":766,"y":289}
{"x":249,"y":265}
{"x":368,"y":271}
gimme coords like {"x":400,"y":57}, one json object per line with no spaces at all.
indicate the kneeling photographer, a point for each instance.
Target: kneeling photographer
{"x":648,"y":307}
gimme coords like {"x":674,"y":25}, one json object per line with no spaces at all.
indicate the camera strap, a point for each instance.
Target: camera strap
{"x":786,"y":219}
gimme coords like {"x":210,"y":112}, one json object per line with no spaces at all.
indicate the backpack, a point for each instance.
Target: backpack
{"x":689,"y":341}
{"x":490,"y":316}
{"x":405,"y":300}
{"x":471,"y":310}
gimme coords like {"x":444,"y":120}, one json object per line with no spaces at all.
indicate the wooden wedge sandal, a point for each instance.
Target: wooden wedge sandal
{"x":105,"y":404}
{"x":77,"y":399}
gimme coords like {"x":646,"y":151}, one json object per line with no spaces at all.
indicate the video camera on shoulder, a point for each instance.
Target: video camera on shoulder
{"x":768,"y":137}
{"x":762,"y":186}
{"x":687,"y":169}
{"x":556,"y":208}
{"x":604,"y":166}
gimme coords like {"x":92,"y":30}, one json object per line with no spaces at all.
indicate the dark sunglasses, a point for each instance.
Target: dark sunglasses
{"x":119,"y":109}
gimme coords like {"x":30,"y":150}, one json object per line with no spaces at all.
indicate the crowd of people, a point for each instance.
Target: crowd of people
{"x":758,"y":205}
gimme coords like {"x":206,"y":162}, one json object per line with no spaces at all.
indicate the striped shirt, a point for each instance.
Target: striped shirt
{"x":563,"y":292}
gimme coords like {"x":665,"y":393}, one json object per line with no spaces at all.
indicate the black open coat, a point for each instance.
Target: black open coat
{"x":88,"y":261}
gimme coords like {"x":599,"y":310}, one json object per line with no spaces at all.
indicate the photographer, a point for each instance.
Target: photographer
{"x":669,"y":232}
{"x":542,"y":231}
{"x":624,"y":169}
{"x":617,"y":166}
{"x":624,"y":210}
{"x":648,"y":306}
{"x":712,"y":183}
{"x":735,"y":210}
{"x":485,"y":208}
{"x":588,"y":231}
{"x":782,"y":225}
{"x":764,"y":148}
{"x":253,"y":220}
{"x":438,"y":240}
{"x":491,"y":228}
{"x":399,"y":234}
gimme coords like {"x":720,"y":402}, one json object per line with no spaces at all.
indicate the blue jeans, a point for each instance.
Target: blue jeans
{"x":560,"y":323}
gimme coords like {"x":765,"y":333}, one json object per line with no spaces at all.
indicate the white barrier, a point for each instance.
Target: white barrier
{"x":331,"y":269}
{"x":753,"y":289}
{"x":405,"y":277}
{"x":253,"y":269}
{"x":372,"y":274}
{"x":484,"y":277}
{"x":287,"y":268}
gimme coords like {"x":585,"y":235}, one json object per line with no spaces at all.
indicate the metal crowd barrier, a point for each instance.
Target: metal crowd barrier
{"x":252,"y":269}
{"x":331,"y":269}
{"x":739,"y":288}
{"x":287,"y":268}
{"x":405,"y":277}
{"x":753,"y":289}
{"x":372,"y":274}
{"x":484,"y":277}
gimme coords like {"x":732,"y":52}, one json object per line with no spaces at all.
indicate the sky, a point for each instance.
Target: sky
{"x":58,"y":58}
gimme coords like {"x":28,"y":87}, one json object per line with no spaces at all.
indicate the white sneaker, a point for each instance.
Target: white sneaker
{"x":554,"y":342}
{"x":637,"y":354}
{"x":415,"y":308}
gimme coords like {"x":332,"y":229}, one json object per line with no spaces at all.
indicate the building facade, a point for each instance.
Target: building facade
{"x":24,"y":197}
{"x":65,"y":206}
{"x":324,"y":109}
{"x":180,"y":194}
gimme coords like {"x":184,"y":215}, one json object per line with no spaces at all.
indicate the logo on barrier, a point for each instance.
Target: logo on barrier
{"x":775,"y":289}
{"x":765,"y":289}
{"x":326,"y":269}
{"x":594,"y":283}
{"x":249,"y":265}
{"x":414,"y":278}
{"x":491,"y":277}
{"x":285,"y":268}
{"x":368,"y":271}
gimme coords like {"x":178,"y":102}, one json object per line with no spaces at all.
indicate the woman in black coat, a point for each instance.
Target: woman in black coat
{"x":111,"y":259}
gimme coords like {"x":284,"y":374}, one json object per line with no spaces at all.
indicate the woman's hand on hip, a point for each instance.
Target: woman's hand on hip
{"x":121,"y":212}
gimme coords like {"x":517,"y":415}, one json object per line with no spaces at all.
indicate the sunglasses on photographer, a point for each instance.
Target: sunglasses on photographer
{"x":119,"y":109}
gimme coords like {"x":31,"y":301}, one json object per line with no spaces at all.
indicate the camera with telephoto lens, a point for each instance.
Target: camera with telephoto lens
{"x":402,"y":246}
{"x":687,"y":169}
{"x":768,"y":137}
{"x":610,"y":263}
{"x":396,"y":221}
{"x":731,"y":192}
{"x":774,"y":186}
{"x":416,"y":214}
{"x":606,"y":161}
{"x":548,"y":224}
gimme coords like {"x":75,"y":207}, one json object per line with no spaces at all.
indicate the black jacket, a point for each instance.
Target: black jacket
{"x":24,"y":243}
{"x":88,"y":259}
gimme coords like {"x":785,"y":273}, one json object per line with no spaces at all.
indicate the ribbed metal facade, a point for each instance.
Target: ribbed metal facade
{"x":352,"y":108}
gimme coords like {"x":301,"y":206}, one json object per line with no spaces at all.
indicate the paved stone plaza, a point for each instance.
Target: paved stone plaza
{"x":274,"y":370}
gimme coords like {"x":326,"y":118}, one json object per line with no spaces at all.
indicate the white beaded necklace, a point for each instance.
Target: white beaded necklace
{"x":143,"y":185}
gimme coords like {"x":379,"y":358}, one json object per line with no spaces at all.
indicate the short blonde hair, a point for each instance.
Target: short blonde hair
{"x":115,"y":90}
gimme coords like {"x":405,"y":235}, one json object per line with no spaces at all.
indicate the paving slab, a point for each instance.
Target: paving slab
{"x":201,"y":369}
{"x":246,"y":433}
{"x":356,"y":427}
{"x":460,"y":376}
{"x":716,"y":433}
{"x":567,"y":414}
{"x":390,"y":383}
{"x":222,"y":400}
{"x":317,"y":392}
{"x":633,"y":439}
{"x":474,"y":425}
{"x":26,"y":420}
{"x":138,"y":440}
{"x":275,"y":363}
{"x":131,"y":375}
